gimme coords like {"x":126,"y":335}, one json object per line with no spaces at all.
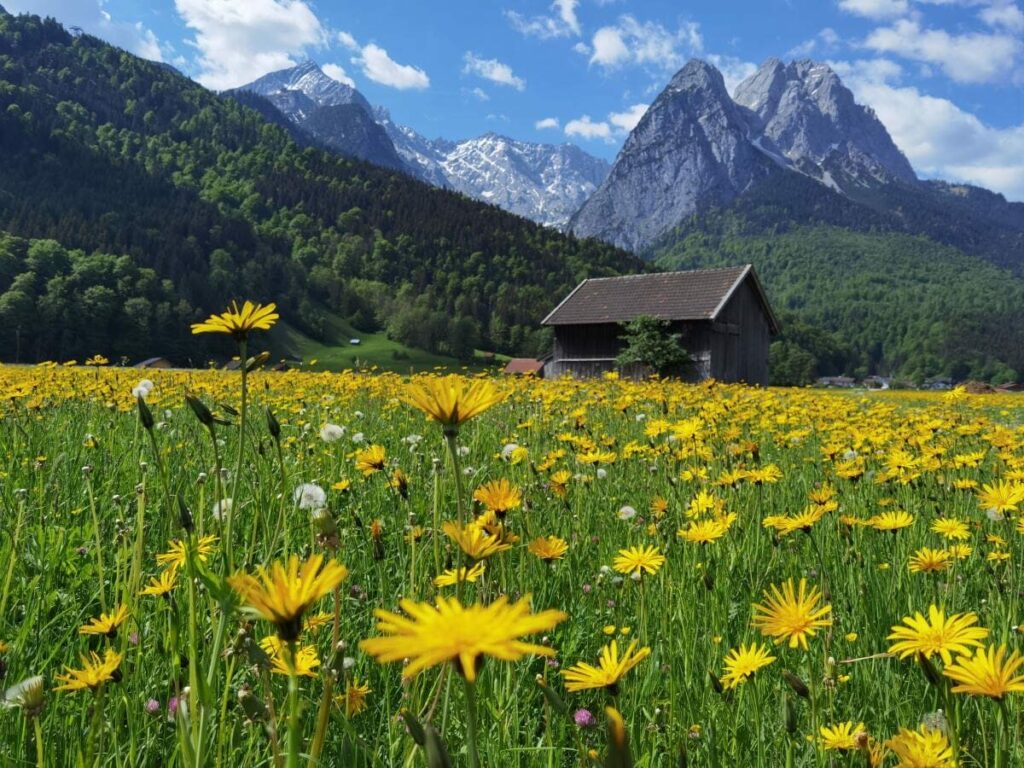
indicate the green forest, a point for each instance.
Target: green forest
{"x":145,"y":201}
{"x":869,"y":302}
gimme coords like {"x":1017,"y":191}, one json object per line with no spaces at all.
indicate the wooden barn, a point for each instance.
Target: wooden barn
{"x":722,"y":315}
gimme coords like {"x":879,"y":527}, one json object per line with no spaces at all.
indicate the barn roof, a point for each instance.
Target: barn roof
{"x":524,"y":365}
{"x":695,"y":295}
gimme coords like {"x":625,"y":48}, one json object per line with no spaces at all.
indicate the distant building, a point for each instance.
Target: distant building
{"x":842,"y":382}
{"x":154,"y":362}
{"x":525,"y":365}
{"x":722,"y":315}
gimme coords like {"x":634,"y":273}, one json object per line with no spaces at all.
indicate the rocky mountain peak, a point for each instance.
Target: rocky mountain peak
{"x":312,"y":81}
{"x":804,"y":109}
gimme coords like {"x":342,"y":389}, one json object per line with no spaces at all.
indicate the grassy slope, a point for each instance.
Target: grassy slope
{"x":375,"y":349}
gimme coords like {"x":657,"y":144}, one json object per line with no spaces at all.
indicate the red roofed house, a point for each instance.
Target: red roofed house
{"x":723,"y":316}
{"x":525,"y":365}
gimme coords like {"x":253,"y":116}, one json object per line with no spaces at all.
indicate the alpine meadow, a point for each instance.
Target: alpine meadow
{"x":538,"y":384}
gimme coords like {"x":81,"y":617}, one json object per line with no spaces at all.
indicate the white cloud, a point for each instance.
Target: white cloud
{"x":626,"y":121}
{"x":493,"y":70}
{"x":335,"y":72}
{"x":585,"y":128}
{"x":546,"y":123}
{"x":94,"y":19}
{"x":240,"y":40}
{"x":1005,"y":15}
{"x":940,"y":139}
{"x":875,"y":9}
{"x":564,"y":22}
{"x":644,"y":43}
{"x":481,"y":94}
{"x":346,"y":39}
{"x":968,"y":58}
{"x":582,"y":48}
{"x":381,"y":68}
{"x":827,"y":39}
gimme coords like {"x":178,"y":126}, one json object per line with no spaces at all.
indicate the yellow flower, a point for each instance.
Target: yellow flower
{"x":928,"y":560}
{"x":474,"y":540}
{"x":499,"y":496}
{"x":353,"y":700}
{"x":370,"y":459}
{"x":178,"y":554}
{"x":987,"y":673}
{"x":452,"y":400}
{"x":740,"y":663}
{"x":841,"y":736}
{"x":1001,"y":496}
{"x":610,"y":670}
{"x":161,"y":585}
{"x":94,"y":672}
{"x":951,"y":528}
{"x":706,"y":531}
{"x":659,"y":506}
{"x":238,"y":322}
{"x":559,"y":482}
{"x":454,"y":575}
{"x":282,"y":594}
{"x":791,"y":614}
{"x":924,"y":748}
{"x":891,"y":521}
{"x":551,"y":548}
{"x":106,"y":624}
{"x":936,"y":634}
{"x":306,"y":660}
{"x":639,"y":560}
{"x":446,"y":631}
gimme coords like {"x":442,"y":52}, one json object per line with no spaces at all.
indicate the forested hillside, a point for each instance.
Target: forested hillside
{"x":104,"y":152}
{"x":868,"y":302}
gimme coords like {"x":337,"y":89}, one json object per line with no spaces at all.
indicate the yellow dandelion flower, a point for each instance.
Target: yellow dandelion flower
{"x":989,"y":672}
{"x":371,"y":459}
{"x":429,"y":635}
{"x":740,"y":663}
{"x":550,"y":548}
{"x":924,"y":748}
{"x":455,"y":575}
{"x":610,"y":670}
{"x":94,"y":673}
{"x":937,"y":634}
{"x":239,"y":322}
{"x":451,"y":400}
{"x":106,"y":624}
{"x":791,"y":613}
{"x":840,"y":737}
{"x":499,"y":496}
{"x":639,"y":560}
{"x":282,"y":594}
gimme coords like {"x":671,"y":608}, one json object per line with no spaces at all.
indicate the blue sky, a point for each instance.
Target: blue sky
{"x":945,"y":76}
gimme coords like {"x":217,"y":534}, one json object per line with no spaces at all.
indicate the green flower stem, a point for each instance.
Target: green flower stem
{"x":99,"y":541}
{"x":13,"y":559}
{"x":294,"y":733}
{"x":40,"y":762}
{"x":1003,"y":737}
{"x":229,"y":545}
{"x":452,"y":438}
{"x":471,"y":724}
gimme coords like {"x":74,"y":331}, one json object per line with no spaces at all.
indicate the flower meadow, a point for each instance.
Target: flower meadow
{"x":360,"y":569}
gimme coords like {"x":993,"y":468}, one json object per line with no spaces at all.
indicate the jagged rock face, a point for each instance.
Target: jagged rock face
{"x":543,"y":182}
{"x":806,"y":111}
{"x":307,"y":78}
{"x":691,"y":150}
{"x":349,"y":129}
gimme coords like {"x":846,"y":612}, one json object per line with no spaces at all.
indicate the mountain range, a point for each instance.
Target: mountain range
{"x":134,"y":201}
{"x":543,"y":182}
{"x":795,"y":133}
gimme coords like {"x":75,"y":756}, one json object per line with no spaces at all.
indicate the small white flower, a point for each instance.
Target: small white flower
{"x":413,"y":440}
{"x":221,"y":508}
{"x":358,"y":414}
{"x":463,"y":450}
{"x":640,"y":416}
{"x":602,"y":473}
{"x":358,"y":437}
{"x":469,"y":471}
{"x":508,"y":450}
{"x":626,"y":512}
{"x":310,"y":496}
{"x":849,"y":455}
{"x":605,"y":570}
{"x":994,"y":515}
{"x":330,"y":433}
{"x":348,"y":662}
{"x":636,"y":575}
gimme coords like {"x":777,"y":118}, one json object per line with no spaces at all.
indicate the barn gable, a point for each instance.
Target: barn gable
{"x":722,"y":315}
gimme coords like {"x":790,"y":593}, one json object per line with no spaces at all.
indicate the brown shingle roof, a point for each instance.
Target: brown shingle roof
{"x":695,"y":295}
